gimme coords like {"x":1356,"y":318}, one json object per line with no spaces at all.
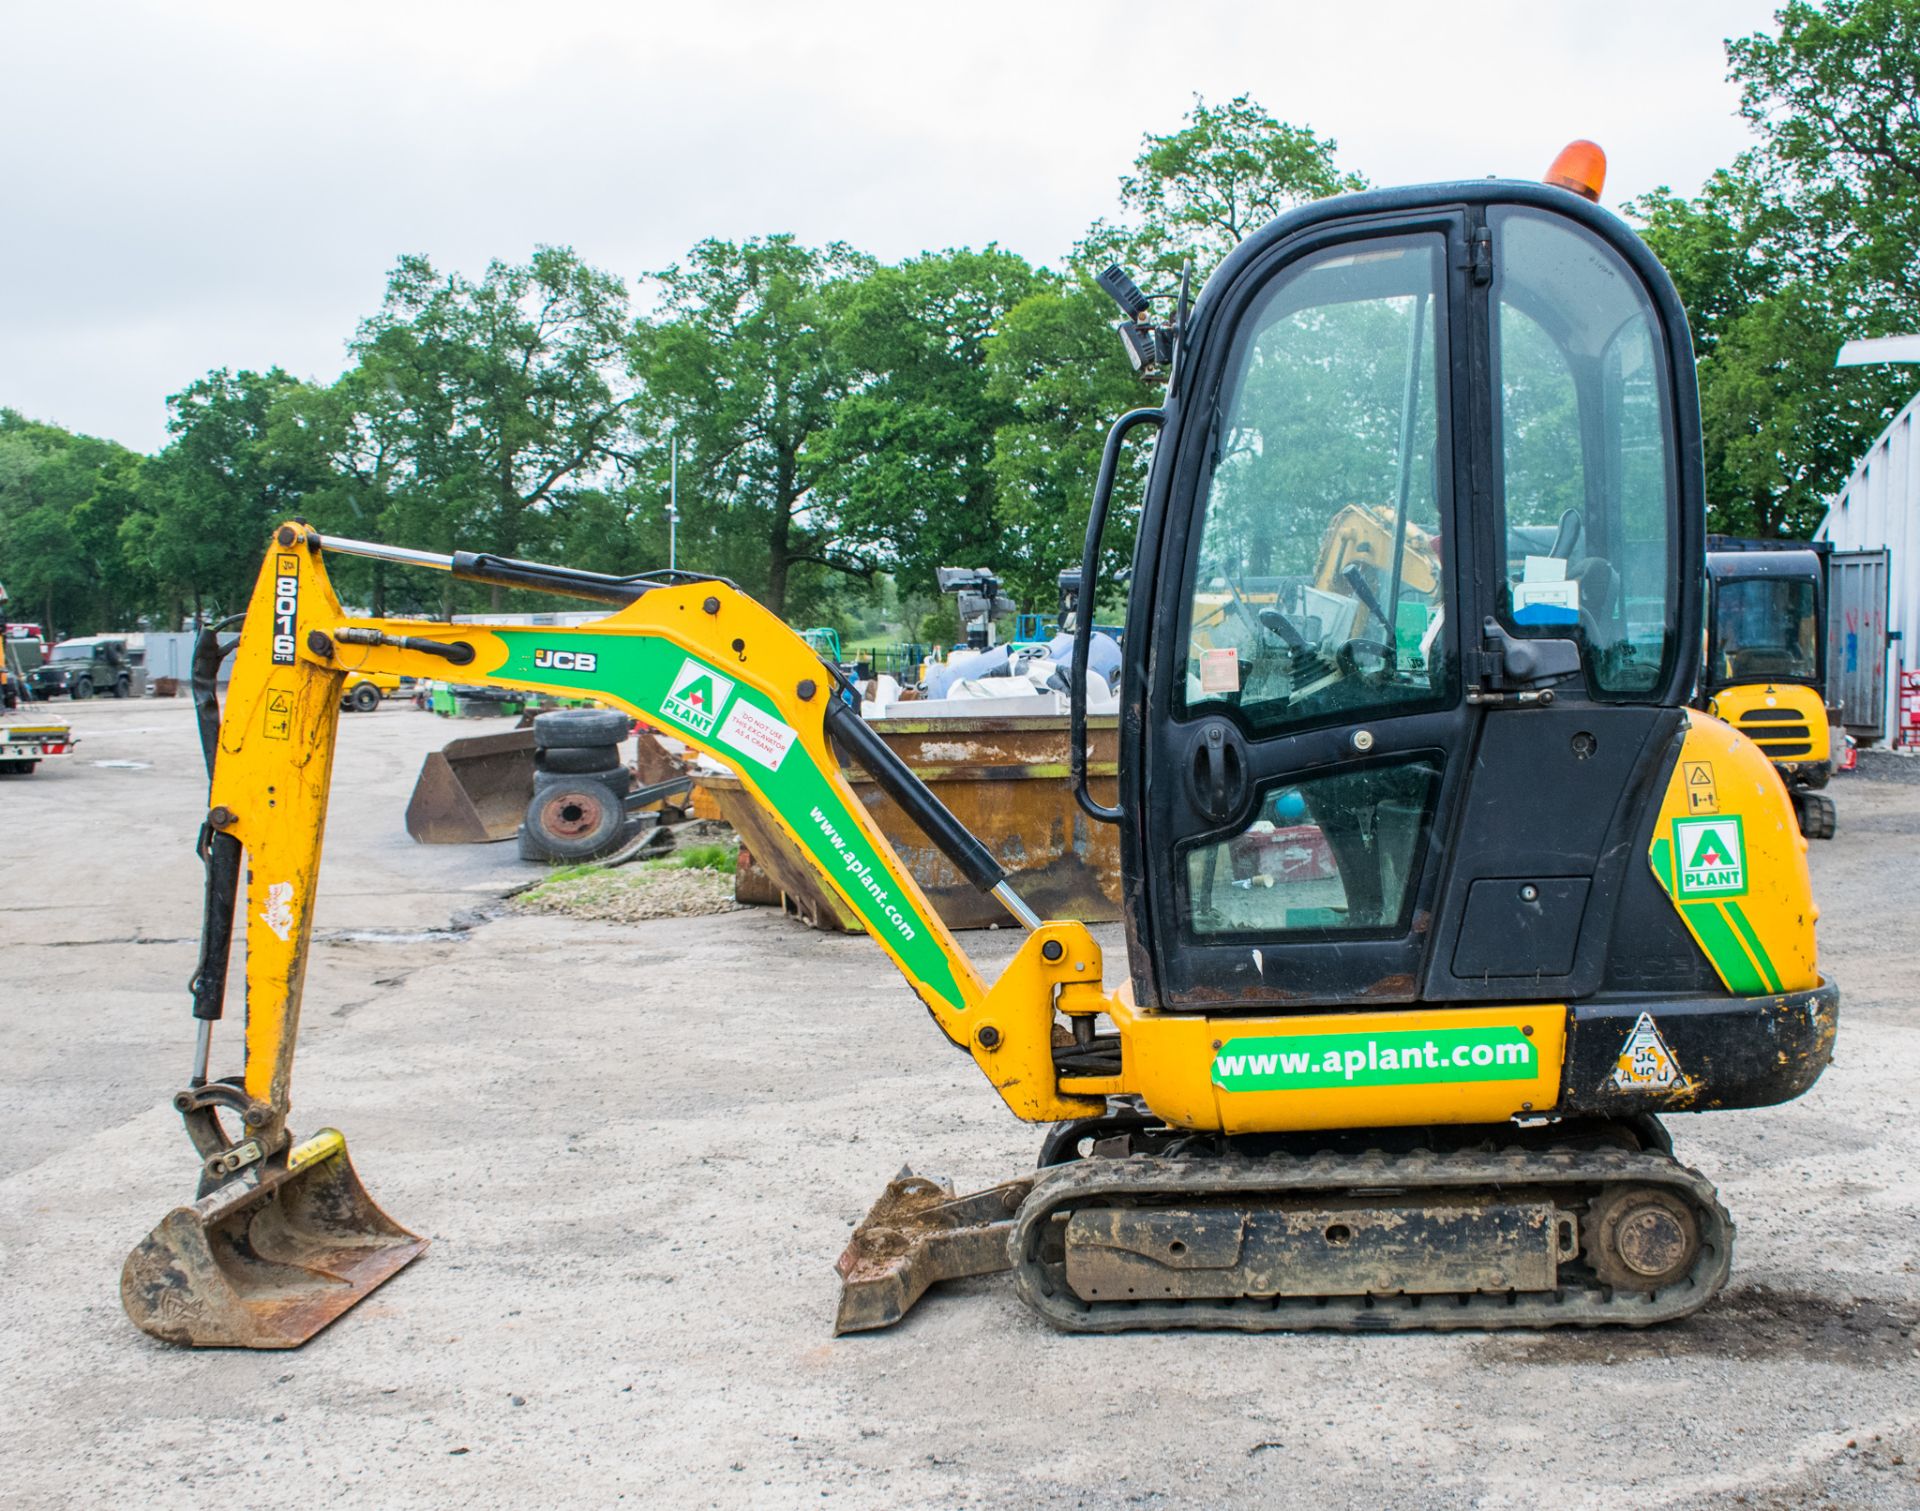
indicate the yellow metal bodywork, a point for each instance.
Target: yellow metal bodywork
{"x":1760,"y":936}
{"x":1363,"y":533}
{"x":1168,"y":1060}
{"x":271,"y":776}
{"x":1780,"y":740}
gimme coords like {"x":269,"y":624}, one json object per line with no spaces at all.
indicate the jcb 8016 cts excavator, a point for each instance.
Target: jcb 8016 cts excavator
{"x":1417,"y":1085}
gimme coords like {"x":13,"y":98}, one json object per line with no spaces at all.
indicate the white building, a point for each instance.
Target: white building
{"x":1874,"y":609}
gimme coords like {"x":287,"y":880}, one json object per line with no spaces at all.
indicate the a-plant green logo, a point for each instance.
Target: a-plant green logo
{"x":696,"y":697}
{"x":1401,"y":1057}
{"x":1710,"y":856}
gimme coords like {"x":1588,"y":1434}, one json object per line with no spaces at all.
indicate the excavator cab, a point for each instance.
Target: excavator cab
{"x":1414,"y":775}
{"x":1766,"y":668}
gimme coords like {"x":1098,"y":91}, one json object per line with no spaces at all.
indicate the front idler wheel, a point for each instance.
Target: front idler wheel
{"x":1639,"y":1239}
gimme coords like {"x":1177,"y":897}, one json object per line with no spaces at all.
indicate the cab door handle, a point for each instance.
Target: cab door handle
{"x":1217,"y":776}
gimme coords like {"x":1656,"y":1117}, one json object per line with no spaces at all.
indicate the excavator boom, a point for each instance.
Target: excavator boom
{"x":258,"y":1260}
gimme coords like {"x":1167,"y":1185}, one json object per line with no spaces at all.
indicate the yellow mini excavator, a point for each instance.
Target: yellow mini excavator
{"x":1530,"y":901}
{"x":1767,"y":666}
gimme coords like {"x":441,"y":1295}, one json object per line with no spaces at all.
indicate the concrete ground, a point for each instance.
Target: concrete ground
{"x":639,"y":1148}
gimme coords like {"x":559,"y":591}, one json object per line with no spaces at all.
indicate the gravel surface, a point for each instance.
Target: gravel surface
{"x":1878,"y":765}
{"x":638,"y":1148}
{"x":633,"y":893}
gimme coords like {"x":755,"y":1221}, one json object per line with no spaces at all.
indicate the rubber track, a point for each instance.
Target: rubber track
{"x":1563,"y":1176}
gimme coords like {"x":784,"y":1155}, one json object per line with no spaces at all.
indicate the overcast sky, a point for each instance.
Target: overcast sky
{"x":203,"y":183}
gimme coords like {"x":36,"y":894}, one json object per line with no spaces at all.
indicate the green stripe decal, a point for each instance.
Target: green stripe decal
{"x":1754,"y":947}
{"x":742,"y":727}
{"x":1723,"y":949}
{"x":1715,"y":934}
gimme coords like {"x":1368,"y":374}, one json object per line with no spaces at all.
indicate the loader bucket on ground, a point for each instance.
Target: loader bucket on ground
{"x":268,"y":1259}
{"x":474,"y":791}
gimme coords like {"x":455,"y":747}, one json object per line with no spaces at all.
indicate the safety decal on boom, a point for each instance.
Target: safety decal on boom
{"x":278,"y":913}
{"x":758,"y":735}
{"x":1645,"y":1063}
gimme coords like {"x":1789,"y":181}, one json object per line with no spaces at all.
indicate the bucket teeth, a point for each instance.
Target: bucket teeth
{"x":268,"y":1259}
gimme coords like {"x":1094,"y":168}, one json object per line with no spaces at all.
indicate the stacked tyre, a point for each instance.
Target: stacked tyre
{"x":580,"y":784}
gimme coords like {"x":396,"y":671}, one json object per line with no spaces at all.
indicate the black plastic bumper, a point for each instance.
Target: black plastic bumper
{"x":1732,"y":1051}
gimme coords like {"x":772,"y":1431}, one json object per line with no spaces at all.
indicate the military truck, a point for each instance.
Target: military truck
{"x":90,"y":664}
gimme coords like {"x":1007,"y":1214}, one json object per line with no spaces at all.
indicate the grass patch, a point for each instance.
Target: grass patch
{"x":722,"y":858}
{"x":593,"y":890}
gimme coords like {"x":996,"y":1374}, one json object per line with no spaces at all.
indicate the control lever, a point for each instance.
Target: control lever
{"x":1356,"y":581}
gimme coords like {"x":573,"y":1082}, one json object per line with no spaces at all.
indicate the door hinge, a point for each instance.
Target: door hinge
{"x":1480,"y":255}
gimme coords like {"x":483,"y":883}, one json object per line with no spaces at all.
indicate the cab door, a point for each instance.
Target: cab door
{"x":1307,"y":722}
{"x":1420,"y":556}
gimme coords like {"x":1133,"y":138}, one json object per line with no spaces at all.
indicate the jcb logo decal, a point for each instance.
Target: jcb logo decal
{"x":286,"y":607}
{"x":565,"y":661}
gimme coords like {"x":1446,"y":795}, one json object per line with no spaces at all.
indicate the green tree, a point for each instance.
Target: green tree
{"x":1201,"y":190}
{"x":1058,"y":366}
{"x":907,"y":460}
{"x":744,"y":373}
{"x":474,"y":404}
{"x":1808,"y":239}
{"x":1782,"y":427}
{"x":1834,"y":94}
{"x":207,"y":501}
{"x":1195,"y":192}
{"x":62,"y":498}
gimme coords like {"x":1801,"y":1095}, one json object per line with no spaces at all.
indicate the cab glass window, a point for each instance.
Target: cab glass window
{"x":1764,"y":629}
{"x":1586,"y":452}
{"x":1333,"y":853}
{"x":1318,"y":591}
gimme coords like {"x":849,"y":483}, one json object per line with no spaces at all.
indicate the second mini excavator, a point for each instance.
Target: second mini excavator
{"x":1767,"y":665}
{"x":1415,"y":1085}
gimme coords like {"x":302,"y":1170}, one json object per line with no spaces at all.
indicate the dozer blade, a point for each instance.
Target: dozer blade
{"x":269,"y":1258}
{"x":473,"y":792}
{"x":920,"y":1233}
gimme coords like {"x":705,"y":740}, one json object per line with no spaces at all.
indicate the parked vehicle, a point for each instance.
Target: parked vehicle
{"x":90,"y":664}
{"x":25,"y":746}
{"x":364,"y":690}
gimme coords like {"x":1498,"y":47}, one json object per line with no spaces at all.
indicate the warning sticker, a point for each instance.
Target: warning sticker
{"x":696,"y":697}
{"x":758,"y":735}
{"x":278,"y":913}
{"x":1710,"y":856}
{"x":1220,"y":669}
{"x":277,"y":722}
{"x":1702,"y":797}
{"x":1645,"y":1063}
